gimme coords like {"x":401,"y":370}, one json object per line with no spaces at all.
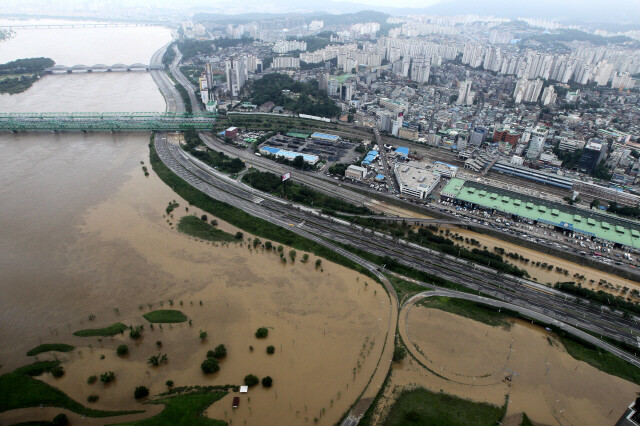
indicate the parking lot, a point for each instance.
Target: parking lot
{"x":340,"y":151}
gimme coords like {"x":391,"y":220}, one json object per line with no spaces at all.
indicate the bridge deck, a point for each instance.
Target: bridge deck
{"x":105,"y":121}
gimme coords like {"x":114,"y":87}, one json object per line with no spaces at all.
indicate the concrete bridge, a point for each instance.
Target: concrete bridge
{"x":80,"y":68}
{"x":78,"y":25}
{"x":105,"y":122}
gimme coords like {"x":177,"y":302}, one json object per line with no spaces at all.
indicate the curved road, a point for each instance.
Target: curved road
{"x":167,"y":88}
{"x":528,"y":313}
{"x":518,"y":294}
{"x":174,"y":158}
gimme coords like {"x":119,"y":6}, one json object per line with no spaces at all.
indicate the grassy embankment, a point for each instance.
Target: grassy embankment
{"x":112,"y":330}
{"x":469,"y":309}
{"x":422,"y":407}
{"x":48,"y":347}
{"x":19,"y":389}
{"x":525,"y":420}
{"x":165,"y":316}
{"x":198,"y":228}
{"x":245,"y":221}
{"x":405,"y":289}
{"x":599,"y":358}
{"x":183,"y":410}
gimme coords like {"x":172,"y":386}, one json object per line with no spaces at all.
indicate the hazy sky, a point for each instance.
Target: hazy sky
{"x":619,"y":11}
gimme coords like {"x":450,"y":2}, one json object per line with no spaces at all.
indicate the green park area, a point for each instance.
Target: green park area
{"x":422,"y":407}
{"x":165,"y":316}
{"x":111,"y":330}
{"x":199,"y":228}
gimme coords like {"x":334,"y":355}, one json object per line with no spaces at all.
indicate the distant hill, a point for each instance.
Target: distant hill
{"x":328,"y":18}
{"x":619,"y":11}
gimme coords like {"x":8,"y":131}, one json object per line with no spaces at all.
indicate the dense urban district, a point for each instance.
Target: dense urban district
{"x":412,"y":150}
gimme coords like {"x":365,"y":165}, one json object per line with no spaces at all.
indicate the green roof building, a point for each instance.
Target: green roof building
{"x":592,"y":223}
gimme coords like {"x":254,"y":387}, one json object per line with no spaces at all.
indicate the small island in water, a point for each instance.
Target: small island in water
{"x":19,"y":75}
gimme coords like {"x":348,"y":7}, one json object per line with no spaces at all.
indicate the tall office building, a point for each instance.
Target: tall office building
{"x":323,"y":82}
{"x":594,"y":151}
{"x":396,"y":126}
{"x":209,"y":74}
{"x":384,"y":121}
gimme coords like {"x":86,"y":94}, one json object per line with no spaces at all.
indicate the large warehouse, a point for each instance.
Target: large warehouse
{"x":325,"y":137}
{"x":592,"y":223}
{"x":289,"y":155}
{"x":416,"y":179}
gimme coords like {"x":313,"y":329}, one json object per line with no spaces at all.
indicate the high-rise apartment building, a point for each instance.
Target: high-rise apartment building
{"x":236,"y":73}
{"x":465,"y":95}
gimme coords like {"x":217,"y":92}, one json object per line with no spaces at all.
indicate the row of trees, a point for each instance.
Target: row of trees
{"x":427,"y":238}
{"x":215,"y":159}
{"x":599,"y":296}
{"x":272,"y":183}
{"x":26,"y":66}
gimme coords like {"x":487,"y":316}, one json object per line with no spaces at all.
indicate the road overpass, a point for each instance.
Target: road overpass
{"x":106,"y":121}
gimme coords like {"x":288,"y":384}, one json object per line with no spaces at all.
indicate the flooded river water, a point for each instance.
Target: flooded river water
{"x":84,"y":233}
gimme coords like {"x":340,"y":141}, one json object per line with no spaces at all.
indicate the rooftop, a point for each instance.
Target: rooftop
{"x":600,"y":225}
{"x":415,"y":175}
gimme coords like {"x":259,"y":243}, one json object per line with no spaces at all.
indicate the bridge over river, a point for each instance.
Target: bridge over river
{"x":105,"y":121}
{"x":19,"y":26}
{"x":61,"y":69}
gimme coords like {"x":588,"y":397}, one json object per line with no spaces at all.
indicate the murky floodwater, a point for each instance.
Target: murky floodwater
{"x":547,"y":383}
{"x":544,"y":275}
{"x":88,"y":46}
{"x":84,"y":232}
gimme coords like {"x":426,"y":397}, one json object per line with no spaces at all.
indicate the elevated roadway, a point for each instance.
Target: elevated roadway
{"x":108,"y":121}
{"x":172,"y":97}
{"x":475,"y":277}
{"x":511,"y":291}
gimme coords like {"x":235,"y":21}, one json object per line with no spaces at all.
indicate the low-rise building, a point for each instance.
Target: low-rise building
{"x":289,"y":155}
{"x":416,"y":179}
{"x":355,"y":172}
{"x":231,"y":132}
{"x":325,"y":137}
{"x":407,"y":133}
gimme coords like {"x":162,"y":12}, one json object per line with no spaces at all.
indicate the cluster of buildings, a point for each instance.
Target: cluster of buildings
{"x":473,"y":86}
{"x":284,"y":46}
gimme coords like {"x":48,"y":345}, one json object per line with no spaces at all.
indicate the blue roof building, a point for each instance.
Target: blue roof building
{"x":289,"y":155}
{"x":325,"y":137}
{"x":402,"y":151}
{"x":371,"y":156}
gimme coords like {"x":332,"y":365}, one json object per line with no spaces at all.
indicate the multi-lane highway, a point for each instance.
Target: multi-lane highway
{"x":533,"y":299}
{"x":171,"y":95}
{"x":480,"y":278}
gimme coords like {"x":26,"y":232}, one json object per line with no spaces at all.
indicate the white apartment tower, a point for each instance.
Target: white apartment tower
{"x":236,"y":73}
{"x":465,"y":95}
